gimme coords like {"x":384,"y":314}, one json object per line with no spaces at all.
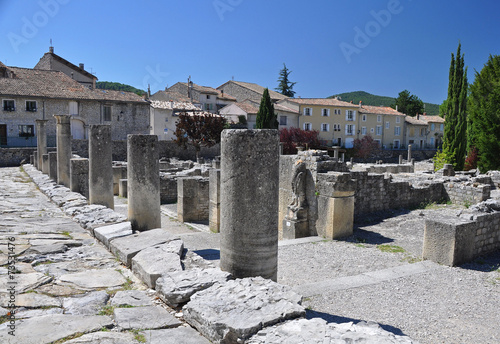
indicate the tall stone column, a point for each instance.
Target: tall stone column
{"x":249,"y":203}
{"x":143,"y":178}
{"x":409,"y":153}
{"x":101,"y":166}
{"x":63,"y":130}
{"x":41,"y":140}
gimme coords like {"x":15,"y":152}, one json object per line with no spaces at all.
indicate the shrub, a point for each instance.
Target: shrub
{"x":439,"y":160}
{"x":471,"y":159}
{"x":366,"y":147}
{"x":293,"y":137}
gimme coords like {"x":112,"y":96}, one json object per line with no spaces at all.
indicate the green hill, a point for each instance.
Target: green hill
{"x":108,"y":85}
{"x":371,"y":99}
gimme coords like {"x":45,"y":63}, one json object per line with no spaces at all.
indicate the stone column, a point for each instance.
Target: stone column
{"x":143,"y":178}
{"x":101,"y":166}
{"x":336,"y":150}
{"x":119,"y":172}
{"x":35,"y":159}
{"x":41,"y":140}
{"x":409,"y":153}
{"x":122,"y":188}
{"x":249,"y":203}
{"x":400,"y":159}
{"x":45,"y":163}
{"x":53,"y":166}
{"x":63,"y":130}
{"x":79,"y":180}
{"x":214,"y":206}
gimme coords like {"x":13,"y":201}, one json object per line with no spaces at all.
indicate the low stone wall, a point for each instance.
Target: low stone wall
{"x":460,"y":193}
{"x":392,"y":156}
{"x":389,"y":168}
{"x":455,"y":240}
{"x":15,"y":156}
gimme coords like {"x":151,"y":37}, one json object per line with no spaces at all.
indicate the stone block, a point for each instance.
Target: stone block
{"x":149,"y":317}
{"x":152,"y":262}
{"x":234,"y":311}
{"x":182,"y":334}
{"x":214,"y":195}
{"x":176,"y":288}
{"x":119,"y":172}
{"x":107,"y":233}
{"x":134,"y":298}
{"x":192,"y":199}
{"x":126,"y":248}
{"x":122,"y":188}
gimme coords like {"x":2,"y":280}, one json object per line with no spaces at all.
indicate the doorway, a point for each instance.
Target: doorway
{"x":3,"y":134}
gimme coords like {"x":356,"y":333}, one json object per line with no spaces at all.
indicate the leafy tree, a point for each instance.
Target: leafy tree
{"x":484,"y":115}
{"x":294,"y":137}
{"x":266,"y":118}
{"x":439,"y":159}
{"x":366,"y":147}
{"x":199,"y":130}
{"x":408,"y":104}
{"x":285,"y":86}
{"x":455,"y":126}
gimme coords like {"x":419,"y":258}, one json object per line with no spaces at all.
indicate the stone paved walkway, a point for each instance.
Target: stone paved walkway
{"x":65,"y":285}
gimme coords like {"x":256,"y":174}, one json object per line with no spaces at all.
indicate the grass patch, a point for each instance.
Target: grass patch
{"x":66,"y":233}
{"x":391,"y":248}
{"x":410,"y":259}
{"x":138,"y":336}
{"x":360,"y":245}
{"x":107,"y":310}
{"x":65,"y":339}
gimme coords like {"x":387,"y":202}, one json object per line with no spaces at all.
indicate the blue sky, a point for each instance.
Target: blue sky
{"x":381,"y":47}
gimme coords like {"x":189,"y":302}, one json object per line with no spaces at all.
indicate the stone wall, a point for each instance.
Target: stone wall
{"x":14,"y":156}
{"x":464,"y":194}
{"x":456,"y":240}
{"x":392,"y":155}
{"x":168,"y":188}
{"x":192,"y":199}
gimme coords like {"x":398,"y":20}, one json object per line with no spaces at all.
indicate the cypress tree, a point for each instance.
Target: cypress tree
{"x":266,"y":118}
{"x":484,"y":115}
{"x":455,"y":128}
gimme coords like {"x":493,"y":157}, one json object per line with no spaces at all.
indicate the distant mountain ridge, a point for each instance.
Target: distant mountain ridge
{"x":371,"y":99}
{"x":108,"y":85}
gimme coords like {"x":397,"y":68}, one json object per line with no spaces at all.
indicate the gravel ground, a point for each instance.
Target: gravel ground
{"x":444,"y":305}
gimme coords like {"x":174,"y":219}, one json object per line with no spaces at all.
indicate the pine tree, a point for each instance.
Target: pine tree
{"x":484,"y":115}
{"x":285,"y":86}
{"x":266,"y":118}
{"x":454,"y":140}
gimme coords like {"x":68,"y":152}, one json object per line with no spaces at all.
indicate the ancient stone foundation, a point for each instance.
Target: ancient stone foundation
{"x":249,"y":203}
{"x":143,"y":178}
{"x":192,"y":199}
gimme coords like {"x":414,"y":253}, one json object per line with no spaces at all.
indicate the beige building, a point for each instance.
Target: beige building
{"x":435,"y":128}
{"x":209,"y":98}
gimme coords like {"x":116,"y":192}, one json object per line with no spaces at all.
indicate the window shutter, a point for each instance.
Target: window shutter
{"x":346,"y":116}
{"x":346,"y":128}
{"x":354,"y":115}
{"x":354,"y":129}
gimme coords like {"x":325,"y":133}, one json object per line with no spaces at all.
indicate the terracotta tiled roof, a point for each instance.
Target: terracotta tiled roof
{"x":434,"y":119}
{"x":202,"y":89}
{"x":53,"y":84}
{"x":167,"y":96}
{"x":321,"y":101}
{"x":249,"y":108}
{"x":173,"y":105}
{"x":258,"y":89}
{"x":379,"y":110}
{"x":225,"y":96}
{"x":414,"y":121}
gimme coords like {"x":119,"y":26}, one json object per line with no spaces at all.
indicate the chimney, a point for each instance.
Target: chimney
{"x":51,"y":49}
{"x":425,"y":113}
{"x":149,"y":91}
{"x":222,"y":92}
{"x":360,"y":102}
{"x":81,"y":66}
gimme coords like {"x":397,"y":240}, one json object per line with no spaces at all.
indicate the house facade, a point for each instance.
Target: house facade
{"x":30,"y":94}
{"x":208,"y":98}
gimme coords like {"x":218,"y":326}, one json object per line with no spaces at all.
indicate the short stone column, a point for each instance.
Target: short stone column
{"x":100,"y":166}
{"x":400,"y":159}
{"x":32,"y":157}
{"x":122,"y":188}
{"x":214,"y":206}
{"x":119,"y":172}
{"x":41,"y":140}
{"x":409,"y":153}
{"x":35,"y":159}
{"x":249,"y":203}
{"x":63,"y":130}
{"x":336,"y":150}
{"x":45,"y":163}
{"x":143,"y":178}
{"x":79,"y":180}
{"x":53,"y":166}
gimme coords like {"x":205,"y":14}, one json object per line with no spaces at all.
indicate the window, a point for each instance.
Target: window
{"x":9,"y":105}
{"x":372,"y":130}
{"x":166,"y":119}
{"x":107,"y":113}
{"x":337,"y":111}
{"x":432,"y":126}
{"x":398,"y":119}
{"x":307,"y":112}
{"x":208,"y":96}
{"x":379,"y":142}
{"x":441,"y":127}
{"x":31,"y":105}
{"x":283,"y":120}
{"x":325,"y":112}
{"x":363,"y":130}
{"x":432,"y":142}
{"x":26,"y":130}
{"x":379,"y":130}
{"x":307,"y":126}
{"x":325,"y":127}
{"x":349,"y":129}
{"x":336,"y":127}
{"x":396,"y":144}
{"x":364,"y":118}
{"x":208,"y":107}
{"x":422,"y":132}
{"x":411,"y":142}
{"x":387,"y":125}
{"x":349,"y":115}
{"x":73,"y":108}
{"x":397,"y":131}
{"x":379,"y":118}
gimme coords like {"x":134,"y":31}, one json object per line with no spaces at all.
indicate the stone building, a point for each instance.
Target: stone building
{"x":30,"y":94}
{"x":210,"y":99}
{"x":247,"y":90}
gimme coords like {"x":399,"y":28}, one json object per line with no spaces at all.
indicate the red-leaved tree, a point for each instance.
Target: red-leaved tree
{"x":294,"y":137}
{"x":366,"y":147}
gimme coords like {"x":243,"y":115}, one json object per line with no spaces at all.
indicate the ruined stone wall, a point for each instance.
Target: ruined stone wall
{"x":463,"y":194}
{"x":487,"y":238}
{"x":168,"y":188}
{"x":192,"y":199}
